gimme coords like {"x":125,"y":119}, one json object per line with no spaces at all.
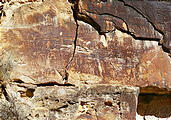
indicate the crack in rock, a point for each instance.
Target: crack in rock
{"x":144,"y":16}
{"x":165,"y":49}
{"x":76,"y":36}
{"x":82,"y":16}
{"x":125,"y":31}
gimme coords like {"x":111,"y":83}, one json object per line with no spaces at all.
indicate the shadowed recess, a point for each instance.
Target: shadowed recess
{"x":154,"y":101}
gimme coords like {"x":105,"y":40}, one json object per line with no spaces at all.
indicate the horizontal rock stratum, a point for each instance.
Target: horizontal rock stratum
{"x":82,"y":59}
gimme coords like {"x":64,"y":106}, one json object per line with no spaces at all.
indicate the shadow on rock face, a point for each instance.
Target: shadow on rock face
{"x":155,"y":102}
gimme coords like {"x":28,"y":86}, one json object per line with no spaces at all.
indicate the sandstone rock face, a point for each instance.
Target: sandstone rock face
{"x":103,"y":102}
{"x":81,"y":59}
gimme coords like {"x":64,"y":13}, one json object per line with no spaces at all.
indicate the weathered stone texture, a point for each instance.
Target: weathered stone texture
{"x":39,"y":37}
{"x":103,"y":102}
{"x":117,"y":46}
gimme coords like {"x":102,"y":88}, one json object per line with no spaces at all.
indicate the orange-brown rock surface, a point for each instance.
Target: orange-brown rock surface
{"x":82,"y":59}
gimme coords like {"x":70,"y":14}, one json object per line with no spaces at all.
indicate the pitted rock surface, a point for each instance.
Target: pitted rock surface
{"x":81,"y":59}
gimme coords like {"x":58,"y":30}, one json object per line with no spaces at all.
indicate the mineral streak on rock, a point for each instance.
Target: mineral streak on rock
{"x":119,"y":45}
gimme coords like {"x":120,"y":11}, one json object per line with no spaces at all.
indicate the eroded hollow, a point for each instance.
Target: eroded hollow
{"x":154,"y":101}
{"x":30,"y":92}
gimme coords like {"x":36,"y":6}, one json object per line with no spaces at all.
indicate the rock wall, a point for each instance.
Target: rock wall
{"x":81,"y":59}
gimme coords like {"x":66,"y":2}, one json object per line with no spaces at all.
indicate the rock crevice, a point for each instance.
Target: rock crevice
{"x":84,"y":59}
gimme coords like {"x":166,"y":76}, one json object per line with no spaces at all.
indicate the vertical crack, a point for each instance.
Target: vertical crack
{"x":85,"y":18}
{"x":75,"y":40}
{"x":3,"y":87}
{"x":80,"y":17}
{"x":74,"y":10}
